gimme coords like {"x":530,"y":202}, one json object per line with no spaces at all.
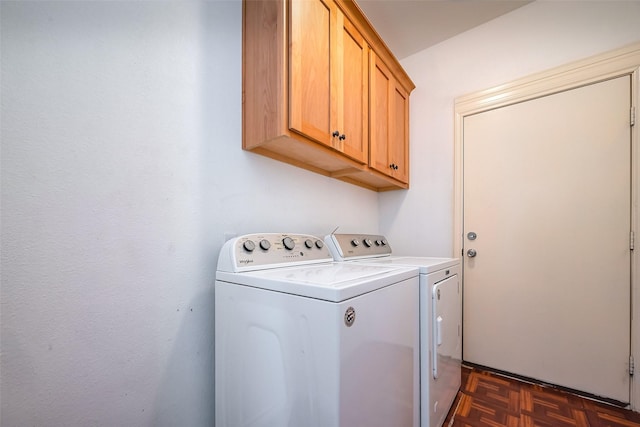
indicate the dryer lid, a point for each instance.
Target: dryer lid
{"x":425,"y":264}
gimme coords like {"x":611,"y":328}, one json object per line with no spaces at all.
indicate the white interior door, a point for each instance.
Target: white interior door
{"x":547,"y":190}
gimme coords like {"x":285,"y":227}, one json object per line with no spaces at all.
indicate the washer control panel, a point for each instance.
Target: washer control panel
{"x":354,"y":246}
{"x":270,"y":250}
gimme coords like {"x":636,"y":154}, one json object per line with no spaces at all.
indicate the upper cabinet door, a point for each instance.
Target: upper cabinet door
{"x":328,"y":78}
{"x":381,"y":87}
{"x":389,"y":121}
{"x":311,"y":30}
{"x":352,"y":91}
{"x":399,"y":124}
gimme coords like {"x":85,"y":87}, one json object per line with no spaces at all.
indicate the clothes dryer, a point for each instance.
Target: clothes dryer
{"x":440,"y":317}
{"x":301,"y":340}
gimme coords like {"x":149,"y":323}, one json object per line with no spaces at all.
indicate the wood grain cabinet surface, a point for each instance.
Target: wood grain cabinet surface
{"x":322,"y":91}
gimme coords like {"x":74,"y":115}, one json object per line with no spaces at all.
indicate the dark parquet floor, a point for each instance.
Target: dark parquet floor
{"x":488,"y":399}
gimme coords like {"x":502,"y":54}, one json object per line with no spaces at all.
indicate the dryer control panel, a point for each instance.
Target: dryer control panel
{"x":270,"y":250}
{"x":354,"y":246}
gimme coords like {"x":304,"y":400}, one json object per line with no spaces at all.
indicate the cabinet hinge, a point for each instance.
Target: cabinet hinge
{"x":631,"y":366}
{"x":632,"y":116}
{"x":632,"y":240}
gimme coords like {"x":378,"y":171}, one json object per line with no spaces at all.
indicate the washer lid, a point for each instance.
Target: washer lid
{"x":330,"y":281}
{"x":425,"y":264}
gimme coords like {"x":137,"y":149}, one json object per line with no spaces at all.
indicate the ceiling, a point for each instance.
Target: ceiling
{"x":409,"y":26}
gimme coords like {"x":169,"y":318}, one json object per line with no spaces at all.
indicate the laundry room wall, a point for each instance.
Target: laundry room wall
{"x":122,"y":173}
{"x":534,"y":38}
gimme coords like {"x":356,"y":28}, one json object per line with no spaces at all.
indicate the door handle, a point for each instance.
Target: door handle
{"x":471,"y":253}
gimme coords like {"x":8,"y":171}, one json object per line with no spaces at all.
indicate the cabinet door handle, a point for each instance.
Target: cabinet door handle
{"x":340,"y":137}
{"x":393,"y":166}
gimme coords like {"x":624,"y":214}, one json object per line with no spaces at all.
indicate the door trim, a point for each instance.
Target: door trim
{"x":616,"y":63}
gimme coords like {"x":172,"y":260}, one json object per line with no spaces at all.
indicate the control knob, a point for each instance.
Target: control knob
{"x":288,"y":243}
{"x":308,"y":243}
{"x":265,"y":244}
{"x":249,"y":246}
{"x":319,"y":244}
{"x":355,"y":242}
{"x":367,"y":242}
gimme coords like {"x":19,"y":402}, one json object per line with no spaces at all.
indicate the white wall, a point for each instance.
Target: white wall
{"x":536,"y":37}
{"x":121,"y":173}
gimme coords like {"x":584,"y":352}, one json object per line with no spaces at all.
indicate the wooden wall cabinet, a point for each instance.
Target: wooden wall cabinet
{"x":308,"y":84}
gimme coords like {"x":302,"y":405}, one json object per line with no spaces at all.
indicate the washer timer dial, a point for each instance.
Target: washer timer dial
{"x":288,"y":243}
{"x":265,"y":244}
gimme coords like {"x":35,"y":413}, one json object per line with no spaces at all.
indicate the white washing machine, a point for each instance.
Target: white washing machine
{"x":440,"y":317}
{"x":301,"y":340}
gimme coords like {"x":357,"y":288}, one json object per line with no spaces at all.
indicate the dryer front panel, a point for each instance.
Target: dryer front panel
{"x":446,"y":341}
